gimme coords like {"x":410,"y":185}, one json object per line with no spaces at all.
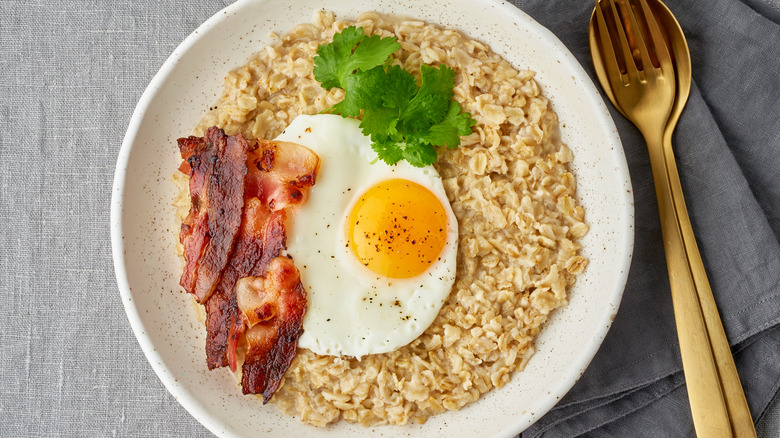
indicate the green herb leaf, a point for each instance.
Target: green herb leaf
{"x":448,"y":131}
{"x":401,"y":88}
{"x":404,"y":121}
{"x":387,"y":150}
{"x":419,"y":154}
{"x":381,"y":122}
{"x":371,"y":52}
{"x":335,"y":61}
{"x":431,"y":102}
{"x":360,"y":89}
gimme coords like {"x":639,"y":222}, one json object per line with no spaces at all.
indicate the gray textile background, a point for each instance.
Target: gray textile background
{"x":70,"y":76}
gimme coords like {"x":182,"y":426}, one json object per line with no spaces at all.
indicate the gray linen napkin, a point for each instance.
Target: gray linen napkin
{"x":728,"y":149}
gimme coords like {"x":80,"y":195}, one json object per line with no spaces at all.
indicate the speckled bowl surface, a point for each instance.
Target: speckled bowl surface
{"x":143,"y":236}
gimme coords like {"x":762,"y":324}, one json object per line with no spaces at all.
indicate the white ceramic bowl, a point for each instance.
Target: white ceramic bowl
{"x":143,"y":236}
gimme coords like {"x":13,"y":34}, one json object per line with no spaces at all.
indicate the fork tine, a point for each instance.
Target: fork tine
{"x":624,"y":46}
{"x":633,"y":30}
{"x":607,"y":50}
{"x":661,"y":49}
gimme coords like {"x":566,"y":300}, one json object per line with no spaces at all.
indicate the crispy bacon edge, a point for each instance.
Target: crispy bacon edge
{"x":194,"y":228}
{"x":273,"y":306}
{"x":217,"y":172}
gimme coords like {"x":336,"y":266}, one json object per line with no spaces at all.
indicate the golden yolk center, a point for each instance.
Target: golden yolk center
{"x":397,"y":228}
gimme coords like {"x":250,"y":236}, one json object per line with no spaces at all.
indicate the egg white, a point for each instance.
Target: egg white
{"x":351,"y":310}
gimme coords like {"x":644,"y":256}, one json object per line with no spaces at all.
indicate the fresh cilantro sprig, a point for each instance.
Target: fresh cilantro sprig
{"x":404,"y":120}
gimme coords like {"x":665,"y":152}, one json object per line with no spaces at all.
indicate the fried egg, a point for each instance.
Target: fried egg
{"x":376,"y":245}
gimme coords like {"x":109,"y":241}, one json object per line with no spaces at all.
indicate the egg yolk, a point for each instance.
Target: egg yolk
{"x":397,"y":228}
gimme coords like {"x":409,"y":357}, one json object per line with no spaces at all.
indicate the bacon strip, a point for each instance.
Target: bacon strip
{"x":234,"y":234}
{"x":223,"y":325}
{"x":261,"y":239}
{"x":280,"y":173}
{"x":274,"y":307}
{"x":194,"y":229}
{"x":217,"y":172}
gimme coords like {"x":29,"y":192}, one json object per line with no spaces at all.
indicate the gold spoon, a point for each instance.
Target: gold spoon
{"x":729,"y":389}
{"x":739,"y":413}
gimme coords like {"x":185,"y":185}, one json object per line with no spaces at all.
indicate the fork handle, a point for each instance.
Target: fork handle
{"x":736,"y":404}
{"x":708,"y":406}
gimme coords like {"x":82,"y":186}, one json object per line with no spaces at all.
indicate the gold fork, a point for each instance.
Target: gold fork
{"x":736,"y":404}
{"x":640,"y":80}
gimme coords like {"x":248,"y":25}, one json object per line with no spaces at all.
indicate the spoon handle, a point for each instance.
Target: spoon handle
{"x":736,"y":404}
{"x":708,"y":406}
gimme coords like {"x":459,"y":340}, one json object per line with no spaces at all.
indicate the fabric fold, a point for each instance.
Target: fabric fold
{"x":648,"y":409}
{"x":727,"y":146}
